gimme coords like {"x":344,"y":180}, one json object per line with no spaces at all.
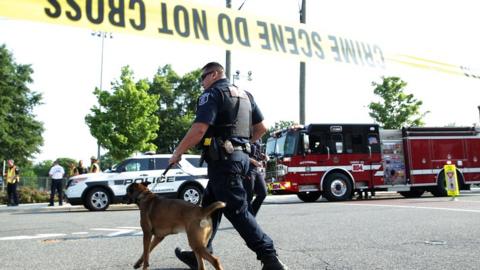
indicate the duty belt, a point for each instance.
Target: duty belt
{"x":244,"y":147}
{"x":238,"y":148}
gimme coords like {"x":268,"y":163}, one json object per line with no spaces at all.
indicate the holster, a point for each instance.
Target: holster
{"x":214,"y":150}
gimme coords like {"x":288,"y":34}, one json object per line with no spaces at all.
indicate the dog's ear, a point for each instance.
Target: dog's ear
{"x":146,"y":183}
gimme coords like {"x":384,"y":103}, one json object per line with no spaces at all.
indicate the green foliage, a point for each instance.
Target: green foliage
{"x":178,"y":99}
{"x":277,"y":126}
{"x":41,"y":169}
{"x":20,"y":133}
{"x":27,"y":195}
{"x":397,"y":109}
{"x":27,"y":175}
{"x":125,"y":120}
{"x":107,"y":161}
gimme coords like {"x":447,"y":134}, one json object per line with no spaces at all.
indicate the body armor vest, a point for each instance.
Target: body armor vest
{"x":234,"y":119}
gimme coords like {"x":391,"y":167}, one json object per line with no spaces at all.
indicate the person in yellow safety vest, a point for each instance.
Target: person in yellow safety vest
{"x":12,"y":177}
{"x":94,"y":167}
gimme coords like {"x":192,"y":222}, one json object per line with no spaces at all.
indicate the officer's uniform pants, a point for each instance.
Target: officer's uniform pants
{"x":56,"y":186}
{"x":226,"y":184}
{"x":12,"y":193}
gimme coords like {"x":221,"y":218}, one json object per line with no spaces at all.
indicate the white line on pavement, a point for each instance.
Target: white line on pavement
{"x":24,"y":237}
{"x":415,"y":207}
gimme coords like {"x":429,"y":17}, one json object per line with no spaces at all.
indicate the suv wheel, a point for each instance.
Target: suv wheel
{"x":97,"y":199}
{"x":191,"y":194}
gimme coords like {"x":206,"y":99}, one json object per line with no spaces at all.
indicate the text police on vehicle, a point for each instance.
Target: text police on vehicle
{"x":96,"y":191}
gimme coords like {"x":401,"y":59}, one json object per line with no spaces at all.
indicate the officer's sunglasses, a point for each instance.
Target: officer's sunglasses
{"x":206,"y":74}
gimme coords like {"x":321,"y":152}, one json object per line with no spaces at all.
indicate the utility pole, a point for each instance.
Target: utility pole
{"x":228,"y":53}
{"x":479,"y":112}
{"x":3,"y":173}
{"x":303,"y":19}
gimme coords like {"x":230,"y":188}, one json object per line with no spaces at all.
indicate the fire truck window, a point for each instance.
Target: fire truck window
{"x":317,"y":143}
{"x":355,"y":143}
{"x":336,"y":143}
{"x":373,"y":141}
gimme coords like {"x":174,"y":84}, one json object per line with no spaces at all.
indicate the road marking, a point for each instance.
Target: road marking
{"x":26,"y":237}
{"x":119,"y":231}
{"x":116,"y":232}
{"x":415,"y":207}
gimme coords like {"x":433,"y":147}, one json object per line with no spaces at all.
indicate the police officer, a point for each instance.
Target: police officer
{"x":80,"y":169}
{"x":255,"y":181}
{"x":227,"y":120}
{"x":94,"y":167}
{"x":12,"y":177}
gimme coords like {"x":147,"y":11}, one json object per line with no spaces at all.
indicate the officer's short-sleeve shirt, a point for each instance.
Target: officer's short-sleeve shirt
{"x":211,"y":101}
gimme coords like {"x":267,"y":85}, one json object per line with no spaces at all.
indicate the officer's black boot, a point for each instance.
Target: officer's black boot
{"x":272,"y":263}
{"x":187,"y":257}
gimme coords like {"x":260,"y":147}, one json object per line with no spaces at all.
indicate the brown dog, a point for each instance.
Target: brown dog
{"x":160,"y":217}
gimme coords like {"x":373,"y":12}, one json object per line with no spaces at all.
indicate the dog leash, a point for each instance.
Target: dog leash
{"x":168,"y":168}
{"x":179,"y":166}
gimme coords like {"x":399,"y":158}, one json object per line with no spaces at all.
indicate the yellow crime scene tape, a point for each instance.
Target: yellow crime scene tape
{"x":200,"y":24}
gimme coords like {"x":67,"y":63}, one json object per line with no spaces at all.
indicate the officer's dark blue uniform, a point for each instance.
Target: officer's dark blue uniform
{"x":227,"y":118}
{"x":226,"y":176}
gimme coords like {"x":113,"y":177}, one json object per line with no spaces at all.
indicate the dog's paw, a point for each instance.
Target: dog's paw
{"x":137,"y":265}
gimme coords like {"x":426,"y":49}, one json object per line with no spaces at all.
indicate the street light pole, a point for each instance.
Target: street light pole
{"x":237,"y":77}
{"x":102,"y":35}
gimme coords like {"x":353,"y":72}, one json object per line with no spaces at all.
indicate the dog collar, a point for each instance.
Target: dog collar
{"x":140,"y":197}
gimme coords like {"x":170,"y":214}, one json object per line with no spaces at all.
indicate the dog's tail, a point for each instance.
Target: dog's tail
{"x":212,"y":207}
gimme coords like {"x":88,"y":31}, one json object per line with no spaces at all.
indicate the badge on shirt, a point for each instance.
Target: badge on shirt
{"x":203,"y":99}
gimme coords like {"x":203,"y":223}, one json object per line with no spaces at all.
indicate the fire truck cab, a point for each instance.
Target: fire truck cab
{"x":336,"y":160}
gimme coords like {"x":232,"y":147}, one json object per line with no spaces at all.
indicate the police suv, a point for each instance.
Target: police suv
{"x":96,"y":191}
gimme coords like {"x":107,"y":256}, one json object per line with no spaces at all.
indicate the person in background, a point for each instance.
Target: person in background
{"x":255,"y":181}
{"x":94,"y":167}
{"x":72,"y":170}
{"x":80,"y":168}
{"x":56,"y":173}
{"x":13,"y":177}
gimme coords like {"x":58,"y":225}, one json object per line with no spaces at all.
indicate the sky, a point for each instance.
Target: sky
{"x":67,"y":65}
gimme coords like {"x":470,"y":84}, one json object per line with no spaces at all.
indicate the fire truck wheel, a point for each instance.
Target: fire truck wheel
{"x":439,"y":190}
{"x":414,"y":193}
{"x":337,"y":187}
{"x":308,"y":196}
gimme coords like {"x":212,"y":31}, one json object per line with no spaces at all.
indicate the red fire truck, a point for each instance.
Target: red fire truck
{"x":337,"y":160}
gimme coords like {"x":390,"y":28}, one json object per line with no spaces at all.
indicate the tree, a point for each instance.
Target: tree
{"x":277,"y":126}
{"x":20,"y":133}
{"x":125,"y":120}
{"x":41,"y":169}
{"x":178,"y":101}
{"x":397,"y":109}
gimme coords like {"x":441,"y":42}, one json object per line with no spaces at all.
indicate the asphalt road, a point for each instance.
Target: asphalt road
{"x":387,"y":232}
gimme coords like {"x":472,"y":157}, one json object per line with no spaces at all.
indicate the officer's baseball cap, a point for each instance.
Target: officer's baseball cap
{"x":93,"y":158}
